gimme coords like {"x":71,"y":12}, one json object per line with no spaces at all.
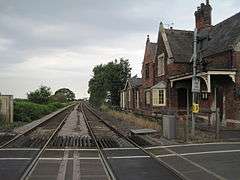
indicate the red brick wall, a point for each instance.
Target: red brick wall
{"x":178,"y":68}
{"x":222,"y":60}
{"x":232,"y":100}
{"x":149,"y":56}
{"x":148,"y":82}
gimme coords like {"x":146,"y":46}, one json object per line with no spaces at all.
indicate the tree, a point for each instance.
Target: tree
{"x":108,"y":80}
{"x":65,"y":93}
{"x":40,"y":95}
{"x":58,"y":98}
{"x":1,"y":115}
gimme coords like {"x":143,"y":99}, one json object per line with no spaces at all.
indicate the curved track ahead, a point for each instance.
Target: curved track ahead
{"x":145,"y":166}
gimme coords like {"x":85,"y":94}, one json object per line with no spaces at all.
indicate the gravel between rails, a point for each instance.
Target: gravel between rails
{"x":75,"y":125}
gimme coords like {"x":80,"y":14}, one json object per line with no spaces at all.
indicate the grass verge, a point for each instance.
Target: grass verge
{"x":137,"y":120}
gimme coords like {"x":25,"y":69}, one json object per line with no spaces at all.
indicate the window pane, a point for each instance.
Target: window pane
{"x":161,"y":96}
{"x":161,"y":65}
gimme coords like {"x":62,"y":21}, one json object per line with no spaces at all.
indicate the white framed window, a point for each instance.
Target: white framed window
{"x":159,"y":97}
{"x":138,"y":99}
{"x":161,"y":64}
{"x":204,"y":95}
{"x":147,"y":97}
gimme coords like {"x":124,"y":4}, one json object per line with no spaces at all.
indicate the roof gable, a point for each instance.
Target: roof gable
{"x":181,"y":44}
{"x":150,"y":52}
{"x":160,"y":85}
{"x":133,"y":82}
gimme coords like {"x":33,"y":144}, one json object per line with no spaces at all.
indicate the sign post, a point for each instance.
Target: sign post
{"x":195,"y":84}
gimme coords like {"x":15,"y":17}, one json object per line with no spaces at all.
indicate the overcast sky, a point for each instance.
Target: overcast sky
{"x":58,"y":42}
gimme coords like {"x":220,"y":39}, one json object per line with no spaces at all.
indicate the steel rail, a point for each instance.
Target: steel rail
{"x":33,"y":164}
{"x":171,"y":169}
{"x":103,"y":157}
{"x":33,"y":128}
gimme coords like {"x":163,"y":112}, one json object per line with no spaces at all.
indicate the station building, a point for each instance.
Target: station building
{"x":167,"y":69}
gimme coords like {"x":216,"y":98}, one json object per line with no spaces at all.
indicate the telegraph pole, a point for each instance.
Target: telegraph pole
{"x":194,"y":81}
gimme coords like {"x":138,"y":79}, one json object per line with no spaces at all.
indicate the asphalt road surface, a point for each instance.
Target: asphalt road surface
{"x":197,"y":162}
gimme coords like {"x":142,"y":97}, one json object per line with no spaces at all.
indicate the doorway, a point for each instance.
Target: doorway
{"x":182,"y":98}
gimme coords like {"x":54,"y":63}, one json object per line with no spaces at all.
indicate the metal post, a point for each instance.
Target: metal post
{"x":217,"y":124}
{"x":194,"y":78}
{"x":217,"y":111}
{"x":188,"y":113}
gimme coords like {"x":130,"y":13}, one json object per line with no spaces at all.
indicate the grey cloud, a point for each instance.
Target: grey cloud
{"x":93,"y":29}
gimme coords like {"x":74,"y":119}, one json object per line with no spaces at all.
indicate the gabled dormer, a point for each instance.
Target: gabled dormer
{"x":148,"y":63}
{"x":174,"y":52}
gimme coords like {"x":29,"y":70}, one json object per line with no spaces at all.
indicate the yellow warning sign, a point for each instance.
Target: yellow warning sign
{"x":195,"y":108}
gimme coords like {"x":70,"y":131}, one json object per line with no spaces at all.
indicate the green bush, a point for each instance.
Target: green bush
{"x":26,"y":111}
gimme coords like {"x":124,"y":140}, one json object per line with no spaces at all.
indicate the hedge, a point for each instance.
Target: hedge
{"x":26,"y":111}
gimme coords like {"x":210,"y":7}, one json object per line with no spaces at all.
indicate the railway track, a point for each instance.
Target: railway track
{"x":119,"y":157}
{"x":5,"y":137}
{"x":143,"y":166}
{"x":33,"y":143}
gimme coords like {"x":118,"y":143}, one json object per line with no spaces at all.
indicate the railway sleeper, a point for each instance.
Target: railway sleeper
{"x":72,"y":141}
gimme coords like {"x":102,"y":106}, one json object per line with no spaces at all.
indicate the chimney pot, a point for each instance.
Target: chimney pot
{"x":203,"y":16}
{"x":148,"y":39}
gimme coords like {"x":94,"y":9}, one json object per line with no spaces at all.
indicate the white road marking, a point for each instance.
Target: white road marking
{"x":36,"y":149}
{"x":4,"y":159}
{"x":199,"y":153}
{"x":19,"y":149}
{"x":186,"y":145}
{"x":76,"y":166}
{"x":120,"y":148}
{"x":196,"y":164}
{"x":127,"y":157}
{"x":72,"y":149}
{"x":210,"y":152}
{"x":165,"y":155}
{"x":63,"y":166}
{"x":124,"y":157}
{"x":80,"y":158}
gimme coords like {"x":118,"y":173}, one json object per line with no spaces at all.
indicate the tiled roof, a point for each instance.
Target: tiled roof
{"x":222,"y":36}
{"x":135,"y":81}
{"x":181,"y":44}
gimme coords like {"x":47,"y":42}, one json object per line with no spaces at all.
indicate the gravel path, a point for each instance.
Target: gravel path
{"x":75,"y":125}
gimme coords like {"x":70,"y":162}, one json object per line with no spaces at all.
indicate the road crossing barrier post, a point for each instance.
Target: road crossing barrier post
{"x":217,"y":124}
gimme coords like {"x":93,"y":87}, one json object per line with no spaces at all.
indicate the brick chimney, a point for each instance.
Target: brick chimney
{"x":148,"y":39}
{"x":203,"y":16}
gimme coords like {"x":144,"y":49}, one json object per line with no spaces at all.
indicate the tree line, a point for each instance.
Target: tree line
{"x":107,"y":82}
{"x":43,"y":95}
